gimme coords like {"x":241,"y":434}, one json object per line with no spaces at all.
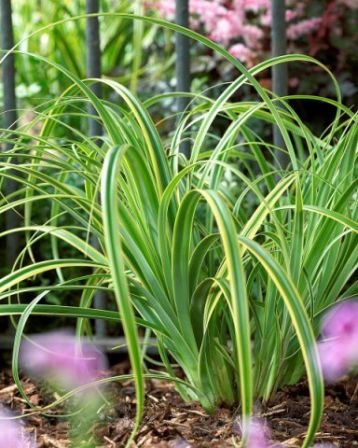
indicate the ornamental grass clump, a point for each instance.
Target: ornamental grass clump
{"x":225,"y":257}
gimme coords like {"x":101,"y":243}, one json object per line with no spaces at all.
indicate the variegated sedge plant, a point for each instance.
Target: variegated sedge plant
{"x":230,"y":281}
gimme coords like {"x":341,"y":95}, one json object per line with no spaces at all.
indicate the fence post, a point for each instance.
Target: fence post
{"x":10,"y":118}
{"x":93,"y":57}
{"x":280,"y":71}
{"x":182,"y":64}
{"x":93,"y":68}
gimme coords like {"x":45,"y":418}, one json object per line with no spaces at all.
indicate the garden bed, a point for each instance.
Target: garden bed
{"x":168,"y":422}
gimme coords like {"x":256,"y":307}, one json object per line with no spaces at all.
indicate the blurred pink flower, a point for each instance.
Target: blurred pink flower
{"x":352,"y":4}
{"x":252,"y":35}
{"x":181,"y":443}
{"x":290,"y":15}
{"x":324,"y":445}
{"x":224,"y":20}
{"x":338,"y":348}
{"x":223,"y":31}
{"x":243,"y":53}
{"x":59,"y":358}
{"x":266,"y":18}
{"x":12,"y":434}
{"x":341,"y":320}
{"x":256,"y":5}
{"x":248,"y":22}
{"x":303,"y":28}
{"x":166,"y":8}
{"x":258,"y":435}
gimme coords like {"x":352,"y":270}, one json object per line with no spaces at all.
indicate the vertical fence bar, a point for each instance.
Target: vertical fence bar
{"x":10,"y":117}
{"x":93,"y":54}
{"x":93,"y":58}
{"x":182,"y":65}
{"x":280,"y":71}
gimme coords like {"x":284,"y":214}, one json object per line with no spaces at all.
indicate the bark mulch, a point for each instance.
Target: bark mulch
{"x":170,"y":423}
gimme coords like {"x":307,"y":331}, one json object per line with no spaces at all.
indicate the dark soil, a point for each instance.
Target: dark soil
{"x":170,"y":423}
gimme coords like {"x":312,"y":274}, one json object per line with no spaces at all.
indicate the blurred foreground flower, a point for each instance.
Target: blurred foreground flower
{"x":338,"y":348}
{"x":324,"y":445}
{"x":60,"y":359}
{"x":63,"y":362}
{"x":12,"y":434}
{"x":258,"y":434}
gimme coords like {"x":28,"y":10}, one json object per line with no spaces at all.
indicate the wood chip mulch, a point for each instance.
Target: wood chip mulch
{"x":170,"y":423}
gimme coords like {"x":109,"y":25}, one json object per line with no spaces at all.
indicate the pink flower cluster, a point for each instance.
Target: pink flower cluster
{"x":338,"y":348}
{"x":242,"y":25}
{"x":60,"y":359}
{"x":224,"y":22}
{"x":12,"y":433}
{"x":303,"y":28}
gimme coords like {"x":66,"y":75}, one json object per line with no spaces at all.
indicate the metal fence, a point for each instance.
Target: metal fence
{"x":93,"y":52}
